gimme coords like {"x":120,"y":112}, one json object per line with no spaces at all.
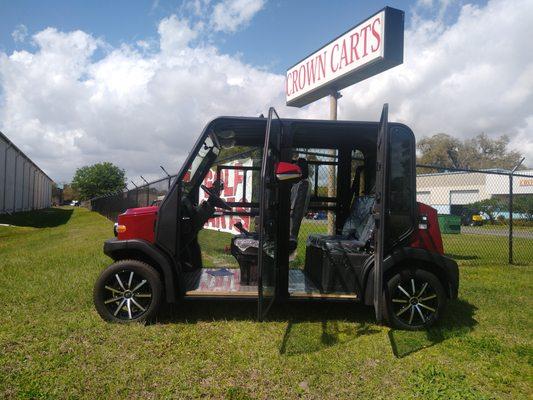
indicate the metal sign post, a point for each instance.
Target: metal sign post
{"x":333,"y":97}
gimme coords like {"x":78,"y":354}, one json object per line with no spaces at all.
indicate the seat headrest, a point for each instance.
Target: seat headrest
{"x":304,"y":166}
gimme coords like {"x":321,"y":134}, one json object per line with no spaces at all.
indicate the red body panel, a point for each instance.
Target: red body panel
{"x":430,"y":238}
{"x":139,"y":222}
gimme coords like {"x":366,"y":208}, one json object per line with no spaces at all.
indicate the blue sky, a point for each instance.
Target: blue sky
{"x":134,"y":82}
{"x":280,"y":35}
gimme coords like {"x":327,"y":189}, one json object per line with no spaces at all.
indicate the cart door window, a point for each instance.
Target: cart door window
{"x":268,"y":217}
{"x":381,"y":207}
{"x":402,"y":185}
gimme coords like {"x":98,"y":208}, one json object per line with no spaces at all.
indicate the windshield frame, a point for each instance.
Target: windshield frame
{"x":205,"y":161}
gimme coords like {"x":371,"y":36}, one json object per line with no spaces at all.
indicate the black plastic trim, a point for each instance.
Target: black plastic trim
{"x":446,"y":267}
{"x":115,"y":248}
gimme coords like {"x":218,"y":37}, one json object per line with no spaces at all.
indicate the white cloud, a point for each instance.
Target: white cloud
{"x":139,"y":109}
{"x":230,"y":15}
{"x":175,"y":34}
{"x":75,"y":100}
{"x":20,"y":33}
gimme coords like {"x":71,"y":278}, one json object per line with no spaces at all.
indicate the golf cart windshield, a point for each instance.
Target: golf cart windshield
{"x":205,"y":157}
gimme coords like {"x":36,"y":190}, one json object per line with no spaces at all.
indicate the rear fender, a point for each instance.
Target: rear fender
{"x":443,"y":267}
{"x":144,"y":251}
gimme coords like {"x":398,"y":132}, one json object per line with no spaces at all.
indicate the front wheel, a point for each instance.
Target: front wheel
{"x":414,"y":299}
{"x":128,"y":291}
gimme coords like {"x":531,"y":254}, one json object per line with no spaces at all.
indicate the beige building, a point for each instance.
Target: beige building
{"x":445,"y":190}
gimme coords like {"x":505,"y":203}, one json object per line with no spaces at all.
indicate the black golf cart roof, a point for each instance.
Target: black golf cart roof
{"x":308,"y":133}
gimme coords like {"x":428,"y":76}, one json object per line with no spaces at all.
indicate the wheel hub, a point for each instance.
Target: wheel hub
{"x":128,"y":295}
{"x":414,"y":302}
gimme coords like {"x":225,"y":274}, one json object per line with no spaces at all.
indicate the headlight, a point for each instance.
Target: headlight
{"x":115,"y":229}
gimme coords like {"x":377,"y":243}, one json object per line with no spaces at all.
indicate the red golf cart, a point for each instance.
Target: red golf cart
{"x":378,"y":246}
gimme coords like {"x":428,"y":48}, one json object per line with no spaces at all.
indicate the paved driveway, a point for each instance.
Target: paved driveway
{"x":479,"y":230}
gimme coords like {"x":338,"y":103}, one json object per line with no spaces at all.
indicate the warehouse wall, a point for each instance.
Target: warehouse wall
{"x":23,"y":185}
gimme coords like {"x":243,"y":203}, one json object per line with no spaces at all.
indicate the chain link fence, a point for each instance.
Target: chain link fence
{"x":485,"y":216}
{"x":113,"y":204}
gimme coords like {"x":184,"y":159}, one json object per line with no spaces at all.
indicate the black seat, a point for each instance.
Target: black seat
{"x":330,"y":260}
{"x":244,"y":247}
{"x":356,"y":232}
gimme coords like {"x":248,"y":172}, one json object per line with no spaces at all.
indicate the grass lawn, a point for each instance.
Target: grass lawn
{"x":54,"y":345}
{"x":505,"y":227}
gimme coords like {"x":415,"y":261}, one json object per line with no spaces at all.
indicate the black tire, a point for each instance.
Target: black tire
{"x":414,"y":299}
{"x":134,"y":296}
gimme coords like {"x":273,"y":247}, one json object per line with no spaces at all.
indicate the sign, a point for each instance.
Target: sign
{"x":369,"y":48}
{"x":233,"y":192}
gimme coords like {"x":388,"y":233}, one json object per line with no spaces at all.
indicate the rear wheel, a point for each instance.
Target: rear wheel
{"x":128,"y":291}
{"x":414,"y":299}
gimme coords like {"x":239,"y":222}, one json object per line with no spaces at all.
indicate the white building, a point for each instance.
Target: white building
{"x":445,"y":190}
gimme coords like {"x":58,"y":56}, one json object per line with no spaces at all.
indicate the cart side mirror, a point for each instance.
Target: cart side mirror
{"x":288,"y":172}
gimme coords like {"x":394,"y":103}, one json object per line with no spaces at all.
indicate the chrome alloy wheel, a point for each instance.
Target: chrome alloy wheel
{"x":127,"y":295}
{"x":414,"y":302}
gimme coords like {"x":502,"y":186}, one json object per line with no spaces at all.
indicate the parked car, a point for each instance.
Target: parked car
{"x":469,"y":218}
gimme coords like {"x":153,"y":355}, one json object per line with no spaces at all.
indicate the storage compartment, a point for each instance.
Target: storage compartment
{"x":332,"y":271}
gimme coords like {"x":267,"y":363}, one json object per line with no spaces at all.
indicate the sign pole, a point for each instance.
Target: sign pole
{"x":333,"y":97}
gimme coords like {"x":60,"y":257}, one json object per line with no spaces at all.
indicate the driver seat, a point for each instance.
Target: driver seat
{"x":245,"y":247}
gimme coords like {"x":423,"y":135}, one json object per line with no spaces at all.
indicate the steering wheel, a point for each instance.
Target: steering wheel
{"x":215,"y":199}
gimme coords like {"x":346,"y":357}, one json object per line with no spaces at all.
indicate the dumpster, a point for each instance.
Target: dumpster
{"x":450,"y":223}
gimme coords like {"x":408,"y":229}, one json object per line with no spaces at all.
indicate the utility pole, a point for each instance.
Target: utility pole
{"x":333,"y":97}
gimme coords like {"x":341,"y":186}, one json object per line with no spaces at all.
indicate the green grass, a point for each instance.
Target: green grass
{"x":54,"y":345}
{"x":505,"y":226}
{"x":487,"y":249}
{"x":215,"y":249}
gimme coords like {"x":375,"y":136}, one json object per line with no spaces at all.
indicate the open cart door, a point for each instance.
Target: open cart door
{"x":381,"y":209}
{"x":268,"y":217}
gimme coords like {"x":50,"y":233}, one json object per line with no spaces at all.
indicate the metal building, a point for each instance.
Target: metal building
{"x":449,"y":191}
{"x":23,"y":185}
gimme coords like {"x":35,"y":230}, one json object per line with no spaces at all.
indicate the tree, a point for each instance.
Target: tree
{"x":98,"y":179}
{"x":440,"y":149}
{"x":69,"y":193}
{"x":523,"y":204}
{"x":481,"y":152}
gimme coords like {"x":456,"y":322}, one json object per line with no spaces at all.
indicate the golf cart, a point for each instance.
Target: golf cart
{"x":378,"y":246}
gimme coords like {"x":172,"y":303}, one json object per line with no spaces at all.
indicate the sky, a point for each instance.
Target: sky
{"x":134,"y":82}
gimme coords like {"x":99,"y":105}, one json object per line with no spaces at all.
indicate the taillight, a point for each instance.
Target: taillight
{"x":423,"y":221}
